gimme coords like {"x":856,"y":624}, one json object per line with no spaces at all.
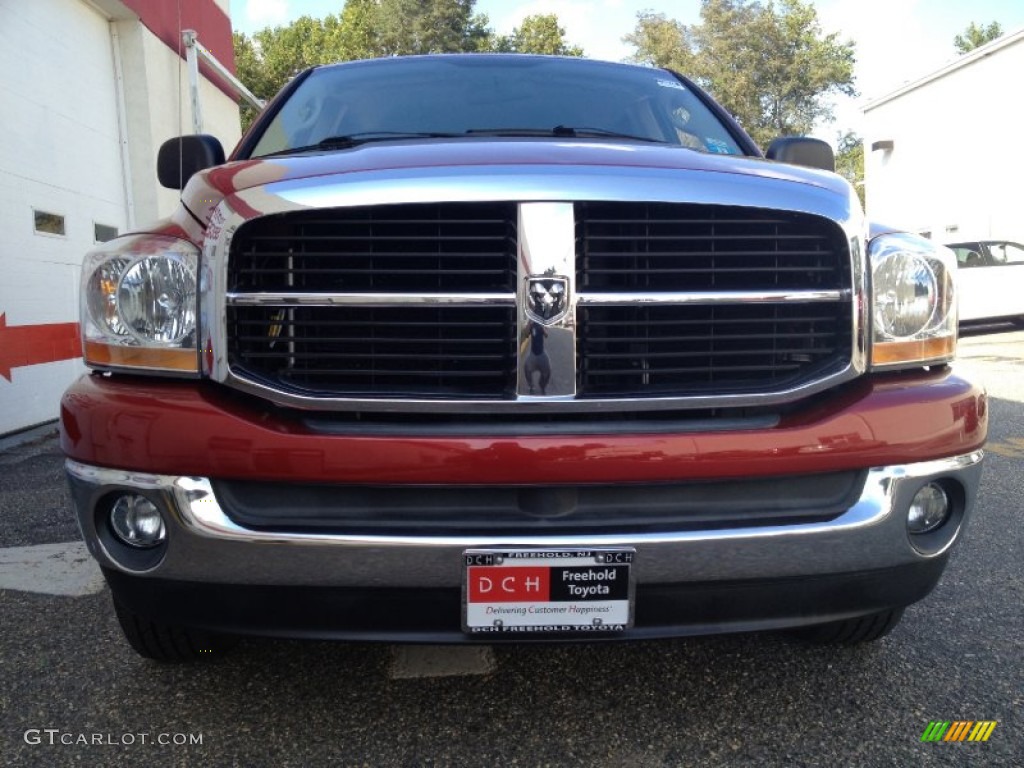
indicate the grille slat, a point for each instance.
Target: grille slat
{"x":709,"y":354}
{"x":689,"y":322}
{"x":704,"y":370}
{"x":377,"y":356}
{"x":594,"y":271}
{"x":378,"y":238}
{"x":267,"y":254}
{"x":356,"y":325}
{"x":383,"y":373}
{"x":337,"y":272}
{"x":357,"y":340}
{"x":652,"y":238}
{"x":712,"y":337}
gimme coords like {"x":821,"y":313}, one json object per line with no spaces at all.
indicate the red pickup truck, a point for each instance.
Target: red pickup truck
{"x":503,"y":348}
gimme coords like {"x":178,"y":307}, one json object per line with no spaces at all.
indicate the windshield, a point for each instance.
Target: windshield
{"x":492,"y":95}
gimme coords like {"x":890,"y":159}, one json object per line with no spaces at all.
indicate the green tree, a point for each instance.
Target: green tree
{"x":975,"y":36}
{"x":850,"y":161}
{"x":272,"y":56}
{"x":770,"y":65}
{"x":376,"y":28}
{"x":364,"y":29}
{"x":539,"y":33}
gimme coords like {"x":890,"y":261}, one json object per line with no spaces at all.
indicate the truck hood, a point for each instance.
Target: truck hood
{"x":206,"y":190}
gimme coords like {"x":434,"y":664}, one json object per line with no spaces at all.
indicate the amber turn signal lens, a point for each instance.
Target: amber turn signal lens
{"x":890,"y":352}
{"x":109,"y":355}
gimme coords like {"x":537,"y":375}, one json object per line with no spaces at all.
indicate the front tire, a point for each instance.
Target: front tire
{"x":169,"y":643}
{"x":863,"y":629}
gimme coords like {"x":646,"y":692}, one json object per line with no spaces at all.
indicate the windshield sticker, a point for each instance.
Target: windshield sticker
{"x":717,"y":146}
{"x":671,"y":84}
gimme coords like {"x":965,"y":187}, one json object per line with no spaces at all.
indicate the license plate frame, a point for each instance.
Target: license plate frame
{"x":526,"y":592}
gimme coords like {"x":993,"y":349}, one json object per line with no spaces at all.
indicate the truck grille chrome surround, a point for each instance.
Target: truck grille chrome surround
{"x":550,"y":306}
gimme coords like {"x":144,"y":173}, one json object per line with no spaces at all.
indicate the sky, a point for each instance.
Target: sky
{"x":897,"y":41}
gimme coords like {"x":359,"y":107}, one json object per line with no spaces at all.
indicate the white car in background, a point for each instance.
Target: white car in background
{"x":991,"y":280}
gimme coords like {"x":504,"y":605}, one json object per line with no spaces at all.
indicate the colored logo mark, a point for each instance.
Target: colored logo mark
{"x":959,"y":730}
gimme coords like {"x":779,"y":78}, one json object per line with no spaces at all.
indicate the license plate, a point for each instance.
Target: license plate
{"x":547,"y":591}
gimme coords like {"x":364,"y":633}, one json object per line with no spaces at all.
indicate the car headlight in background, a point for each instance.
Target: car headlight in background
{"x":913,"y":302}
{"x":139,"y":305}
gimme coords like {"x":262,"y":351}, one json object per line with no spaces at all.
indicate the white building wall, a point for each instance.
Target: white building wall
{"x":952,"y":170}
{"x":159,"y":108}
{"x":66,"y":149}
{"x":60,"y":153}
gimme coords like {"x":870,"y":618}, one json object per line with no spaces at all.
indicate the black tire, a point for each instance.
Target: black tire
{"x":169,"y":643}
{"x":863,"y":629}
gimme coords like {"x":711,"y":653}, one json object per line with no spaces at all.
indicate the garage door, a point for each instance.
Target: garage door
{"x":61,"y":190}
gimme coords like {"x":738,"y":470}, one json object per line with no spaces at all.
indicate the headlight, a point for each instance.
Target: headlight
{"x":139,"y":303}
{"x":913,"y":307}
{"x":156,"y":299}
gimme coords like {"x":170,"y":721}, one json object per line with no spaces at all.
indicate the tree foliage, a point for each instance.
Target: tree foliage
{"x":770,"y":65}
{"x":850,"y":161}
{"x":367,"y":29}
{"x":376,"y":28}
{"x":975,"y":36}
{"x":539,"y":33}
{"x":272,"y":56}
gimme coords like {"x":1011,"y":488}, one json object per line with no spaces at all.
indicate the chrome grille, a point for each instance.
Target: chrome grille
{"x":689,"y":304}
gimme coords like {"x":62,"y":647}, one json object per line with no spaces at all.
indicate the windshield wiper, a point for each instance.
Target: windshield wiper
{"x":559,"y":131}
{"x":355,"y":139}
{"x":562,"y":131}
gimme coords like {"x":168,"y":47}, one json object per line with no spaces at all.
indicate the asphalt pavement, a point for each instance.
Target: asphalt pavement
{"x":73,"y":693}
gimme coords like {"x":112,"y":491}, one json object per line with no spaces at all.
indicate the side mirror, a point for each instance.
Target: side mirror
{"x":180,"y":158}
{"x":799,"y":150}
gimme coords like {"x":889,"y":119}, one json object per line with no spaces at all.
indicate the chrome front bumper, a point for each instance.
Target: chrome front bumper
{"x":204,"y":545}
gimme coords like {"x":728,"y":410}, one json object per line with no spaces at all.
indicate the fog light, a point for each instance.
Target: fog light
{"x":137,"y":522}
{"x":929,"y":509}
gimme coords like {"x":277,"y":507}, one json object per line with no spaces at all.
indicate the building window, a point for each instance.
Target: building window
{"x":103,"y":232}
{"x":49,"y":223}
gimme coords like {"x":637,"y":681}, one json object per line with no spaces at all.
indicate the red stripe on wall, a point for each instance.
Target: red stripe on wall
{"x":24,"y":345}
{"x":166,"y":19}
